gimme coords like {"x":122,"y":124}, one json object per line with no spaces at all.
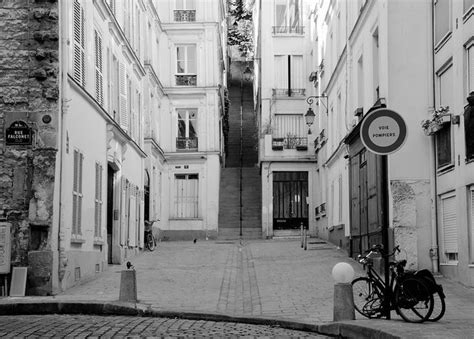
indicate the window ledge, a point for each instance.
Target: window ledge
{"x":77,"y":240}
{"x":468,"y":14}
{"x":453,"y":263}
{"x":445,"y":169}
{"x":99,"y":242}
{"x":443,"y":41}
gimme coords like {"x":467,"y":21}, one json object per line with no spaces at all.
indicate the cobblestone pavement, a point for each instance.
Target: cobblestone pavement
{"x":273,"y":279}
{"x":258,"y":278}
{"x":83,"y":326}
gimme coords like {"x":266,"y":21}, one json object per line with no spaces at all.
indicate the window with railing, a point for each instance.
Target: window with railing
{"x":187,"y":130}
{"x":289,"y":76}
{"x":289,"y":132}
{"x":185,"y":11}
{"x":288,"y":17}
{"x":442,"y":22}
{"x":186,"y":65}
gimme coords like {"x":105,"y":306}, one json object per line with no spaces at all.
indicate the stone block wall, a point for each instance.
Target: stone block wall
{"x":29,"y":92}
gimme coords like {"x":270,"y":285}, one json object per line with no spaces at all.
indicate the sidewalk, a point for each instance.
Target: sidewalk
{"x":273,"y":279}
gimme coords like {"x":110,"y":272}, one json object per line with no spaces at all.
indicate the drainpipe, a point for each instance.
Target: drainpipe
{"x":433,"y":179}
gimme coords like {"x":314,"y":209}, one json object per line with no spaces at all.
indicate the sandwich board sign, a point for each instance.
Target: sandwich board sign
{"x":383,"y":131}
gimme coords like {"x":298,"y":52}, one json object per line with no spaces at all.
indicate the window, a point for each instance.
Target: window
{"x":471,"y":221}
{"x":470,"y":66}
{"x":187,"y":195}
{"x":98,"y":201}
{"x":290,"y":128}
{"x":375,"y":63}
{"x":288,"y":17}
{"x":187,"y":130}
{"x":442,"y":19}
{"x":77,"y":193}
{"x":185,"y":10}
{"x":449,"y":225}
{"x":79,"y":43}
{"x":360,"y":82}
{"x":289,"y":75}
{"x":443,"y":137}
{"x":99,"y":77}
{"x":186,"y":65}
{"x":123,"y":98}
{"x":114,"y":85}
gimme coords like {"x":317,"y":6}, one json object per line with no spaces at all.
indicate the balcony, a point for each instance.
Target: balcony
{"x":290,"y":142}
{"x":186,"y":80}
{"x":282,"y":30}
{"x":186,"y":144}
{"x":185,"y":15}
{"x":285,"y":92}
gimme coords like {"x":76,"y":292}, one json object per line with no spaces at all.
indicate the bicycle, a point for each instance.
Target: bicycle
{"x":409,"y":296}
{"x":150,"y":241}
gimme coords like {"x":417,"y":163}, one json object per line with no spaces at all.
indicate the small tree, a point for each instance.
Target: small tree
{"x":240,"y":31}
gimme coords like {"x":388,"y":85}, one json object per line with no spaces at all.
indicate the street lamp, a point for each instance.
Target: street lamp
{"x":247,"y":74}
{"x":309,"y":116}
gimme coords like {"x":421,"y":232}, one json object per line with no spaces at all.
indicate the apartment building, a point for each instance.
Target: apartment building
{"x":451,"y":140}
{"x":108,"y":136}
{"x":193,"y":76}
{"x":286,"y":151}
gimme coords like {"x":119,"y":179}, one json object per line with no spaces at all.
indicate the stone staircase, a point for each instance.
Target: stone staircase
{"x":240,"y":186}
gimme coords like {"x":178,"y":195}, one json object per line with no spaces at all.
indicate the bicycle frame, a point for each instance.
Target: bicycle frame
{"x":379,"y":283}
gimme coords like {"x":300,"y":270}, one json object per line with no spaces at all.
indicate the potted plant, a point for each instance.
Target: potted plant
{"x":438,"y":118}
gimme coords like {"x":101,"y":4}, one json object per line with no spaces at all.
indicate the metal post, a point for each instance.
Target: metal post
{"x":305,"y":239}
{"x":385,"y":227}
{"x":301,"y":234}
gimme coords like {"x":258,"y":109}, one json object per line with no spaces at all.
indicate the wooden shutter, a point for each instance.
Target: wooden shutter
{"x":297,"y":72}
{"x":123,"y":97}
{"x":450,"y":229}
{"x":98,"y":200}
{"x":281,"y":71}
{"x":132,"y":217}
{"x":141,"y":221}
{"x":99,"y":78}
{"x":75,"y":196}
{"x":123,"y":206}
{"x":78,"y":45}
{"x":355,"y":204}
{"x":373,"y":206}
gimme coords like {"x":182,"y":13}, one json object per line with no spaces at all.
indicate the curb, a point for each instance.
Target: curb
{"x":334,"y":329}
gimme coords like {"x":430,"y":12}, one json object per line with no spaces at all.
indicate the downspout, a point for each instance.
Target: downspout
{"x":433,"y":179}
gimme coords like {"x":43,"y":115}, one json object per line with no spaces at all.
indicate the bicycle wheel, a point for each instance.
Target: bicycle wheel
{"x":413,"y":300}
{"x":367,"y":298}
{"x":439,"y":305}
{"x":150,"y":242}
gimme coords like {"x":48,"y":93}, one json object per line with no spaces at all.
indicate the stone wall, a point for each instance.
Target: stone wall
{"x":29,"y":92}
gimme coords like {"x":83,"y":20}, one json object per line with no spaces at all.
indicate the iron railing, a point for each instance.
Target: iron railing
{"x":289,"y":92}
{"x":288,"y":30}
{"x":292,"y":142}
{"x":186,"y":80}
{"x":185,"y":15}
{"x":186,"y":144}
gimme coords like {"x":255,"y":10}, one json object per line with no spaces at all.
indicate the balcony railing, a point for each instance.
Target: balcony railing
{"x":294,"y":92}
{"x":185,"y":15}
{"x":186,"y":80}
{"x":290,"y":142}
{"x":288,"y":30}
{"x":186,"y":144}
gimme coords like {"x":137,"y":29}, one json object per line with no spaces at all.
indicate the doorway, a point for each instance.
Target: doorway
{"x":110,"y":211}
{"x":290,"y":208}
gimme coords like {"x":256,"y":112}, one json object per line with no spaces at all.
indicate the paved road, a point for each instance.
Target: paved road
{"x":275,"y":279}
{"x":84,"y":326}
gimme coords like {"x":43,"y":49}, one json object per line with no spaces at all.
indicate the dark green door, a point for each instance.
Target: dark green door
{"x":290,"y":209}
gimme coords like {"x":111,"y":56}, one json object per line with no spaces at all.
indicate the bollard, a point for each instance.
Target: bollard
{"x":301,"y":233}
{"x":305,"y":239}
{"x":343,"y":273}
{"x":128,"y":286}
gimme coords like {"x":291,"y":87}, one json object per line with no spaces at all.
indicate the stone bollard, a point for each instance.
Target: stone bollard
{"x":343,"y":273}
{"x":128,"y":286}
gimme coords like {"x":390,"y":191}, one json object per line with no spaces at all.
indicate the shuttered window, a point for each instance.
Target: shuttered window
{"x":187,"y":195}
{"x":79,"y":43}
{"x":99,"y":77}
{"x":289,"y":75}
{"x":77,"y":193}
{"x":289,"y":125}
{"x":98,"y":200}
{"x":450,"y":230}
{"x":471,"y":222}
{"x":123,"y":97}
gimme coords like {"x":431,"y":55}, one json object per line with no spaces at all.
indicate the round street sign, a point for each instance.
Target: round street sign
{"x":383,"y":131}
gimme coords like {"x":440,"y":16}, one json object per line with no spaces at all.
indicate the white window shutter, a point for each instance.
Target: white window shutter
{"x":297,"y":72}
{"x":450,"y":230}
{"x":123,"y":205}
{"x":123,"y":97}
{"x":132,"y":219}
{"x":78,"y":45}
{"x":99,"y":77}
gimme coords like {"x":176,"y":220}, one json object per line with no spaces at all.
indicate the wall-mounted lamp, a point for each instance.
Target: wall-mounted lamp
{"x":247,"y":74}
{"x":309,"y":116}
